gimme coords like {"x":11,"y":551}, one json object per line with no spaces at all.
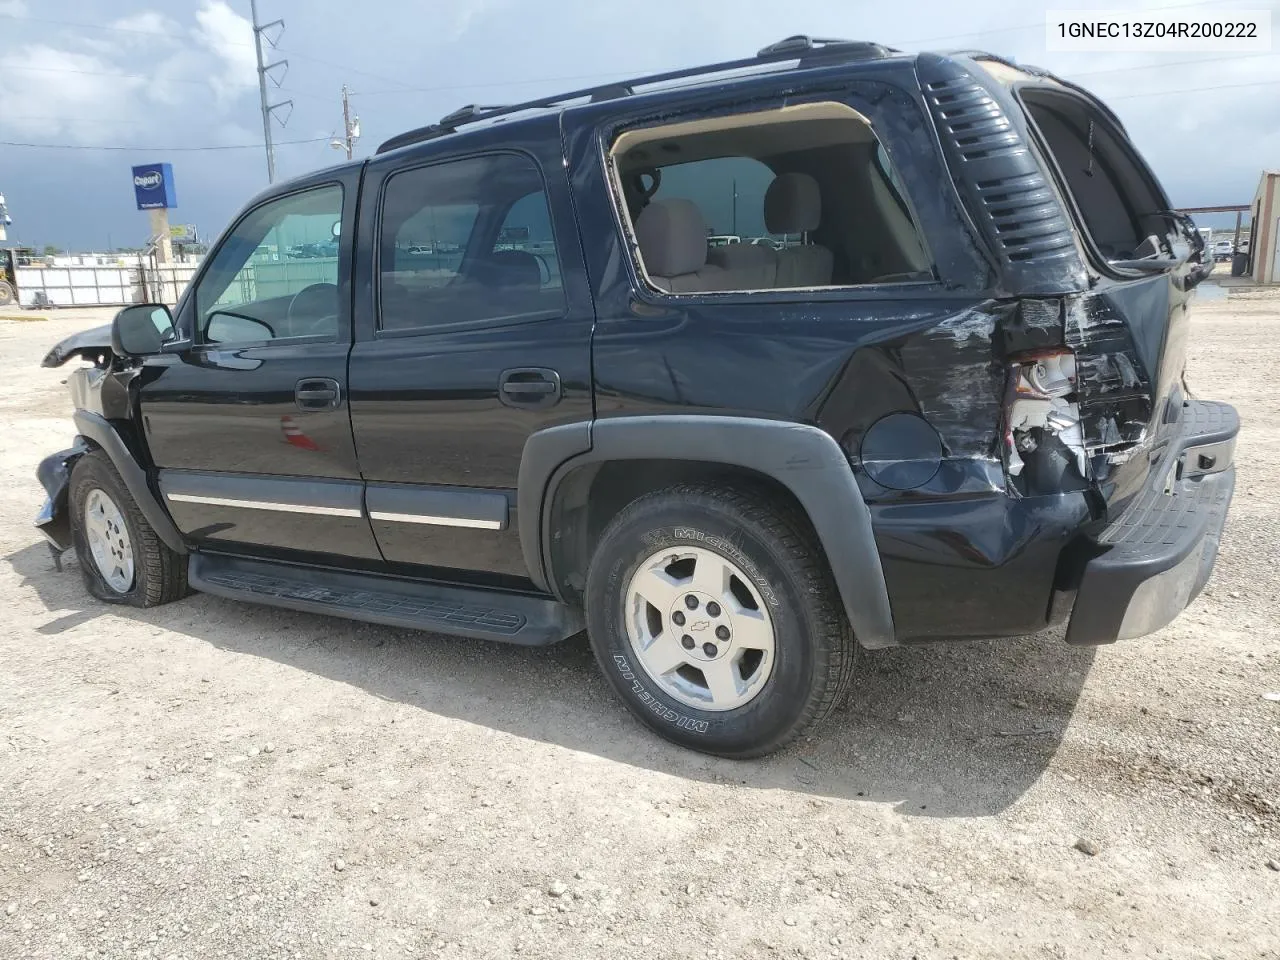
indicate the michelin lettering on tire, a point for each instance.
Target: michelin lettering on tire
{"x":653,"y":703}
{"x":731,"y":550}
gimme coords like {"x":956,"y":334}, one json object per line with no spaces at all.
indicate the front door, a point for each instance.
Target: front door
{"x":473,"y":331}
{"x":249,"y":427}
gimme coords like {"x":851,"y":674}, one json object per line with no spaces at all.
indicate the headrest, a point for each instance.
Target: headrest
{"x":510,"y":268}
{"x":672,"y":237}
{"x":792,"y":204}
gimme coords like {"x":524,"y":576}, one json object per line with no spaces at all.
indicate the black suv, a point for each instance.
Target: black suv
{"x":926,"y":383}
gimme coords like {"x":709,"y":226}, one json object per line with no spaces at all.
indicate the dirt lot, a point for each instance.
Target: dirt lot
{"x":211,"y":779}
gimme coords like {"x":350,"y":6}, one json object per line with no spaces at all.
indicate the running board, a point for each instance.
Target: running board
{"x":395,"y":602}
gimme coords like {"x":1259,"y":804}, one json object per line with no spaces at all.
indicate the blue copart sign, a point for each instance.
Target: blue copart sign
{"x":153,"y":187}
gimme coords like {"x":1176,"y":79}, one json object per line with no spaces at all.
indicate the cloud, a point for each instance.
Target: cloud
{"x":63,"y":92}
{"x":143,"y":71}
{"x":201,"y":86}
{"x":229,"y":37}
{"x":143,"y":23}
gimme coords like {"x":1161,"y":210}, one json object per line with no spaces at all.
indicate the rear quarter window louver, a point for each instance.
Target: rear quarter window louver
{"x":992,"y":163}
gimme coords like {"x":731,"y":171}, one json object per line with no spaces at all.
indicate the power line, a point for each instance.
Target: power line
{"x":99,"y":26}
{"x":1169,"y":93}
{"x":340,"y":66}
{"x":631,"y":73}
{"x":1175,"y":63}
{"x":402,"y":88}
{"x":48,"y":119}
{"x":118,"y":76}
{"x":1039,"y":25}
{"x":234,"y":146}
{"x":142,"y":76}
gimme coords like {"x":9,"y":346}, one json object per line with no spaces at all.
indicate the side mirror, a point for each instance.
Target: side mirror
{"x":142,"y":330}
{"x":336,"y":230}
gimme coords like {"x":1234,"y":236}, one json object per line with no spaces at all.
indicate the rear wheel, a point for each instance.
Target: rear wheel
{"x":121,"y":557}
{"x":714,"y":617}
{"x":6,"y":293}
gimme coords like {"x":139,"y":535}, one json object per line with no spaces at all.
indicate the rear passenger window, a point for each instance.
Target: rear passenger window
{"x":465,"y":241}
{"x":802,"y":197}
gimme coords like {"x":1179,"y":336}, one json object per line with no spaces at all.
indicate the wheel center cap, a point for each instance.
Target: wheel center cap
{"x":702,"y":626}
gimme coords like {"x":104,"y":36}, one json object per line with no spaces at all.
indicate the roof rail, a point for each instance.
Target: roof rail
{"x":809,"y":51}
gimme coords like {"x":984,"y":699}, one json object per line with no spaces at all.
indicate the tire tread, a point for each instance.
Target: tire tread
{"x":793,"y":538}
{"x":160,"y":574}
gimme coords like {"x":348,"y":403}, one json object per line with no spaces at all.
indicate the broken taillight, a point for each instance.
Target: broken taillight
{"x":1042,"y":411}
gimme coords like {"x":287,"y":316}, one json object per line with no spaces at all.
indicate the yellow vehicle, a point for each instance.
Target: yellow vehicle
{"x":8,"y":276}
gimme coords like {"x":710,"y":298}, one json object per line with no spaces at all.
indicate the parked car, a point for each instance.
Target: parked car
{"x":1223,"y":250}
{"x":954,"y":407}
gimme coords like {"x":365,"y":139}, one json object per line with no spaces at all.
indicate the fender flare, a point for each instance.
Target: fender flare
{"x":804,"y":459}
{"x":98,"y":429}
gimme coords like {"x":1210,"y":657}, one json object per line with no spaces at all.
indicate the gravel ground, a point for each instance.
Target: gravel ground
{"x":212,"y":779}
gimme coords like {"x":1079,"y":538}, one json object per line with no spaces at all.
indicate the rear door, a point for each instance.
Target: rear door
{"x":250,"y":427}
{"x":473,"y":329}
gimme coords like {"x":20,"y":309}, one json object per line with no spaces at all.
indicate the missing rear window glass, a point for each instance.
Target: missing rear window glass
{"x":798,"y":197}
{"x":1115,"y":198}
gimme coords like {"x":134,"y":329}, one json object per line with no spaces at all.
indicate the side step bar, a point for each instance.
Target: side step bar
{"x":396,"y":602}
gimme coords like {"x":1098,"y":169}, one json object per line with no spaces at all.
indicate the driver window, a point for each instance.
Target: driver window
{"x":276,"y":275}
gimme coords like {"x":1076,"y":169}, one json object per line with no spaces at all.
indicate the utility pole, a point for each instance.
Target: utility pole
{"x":260,"y":34}
{"x":350,"y":124}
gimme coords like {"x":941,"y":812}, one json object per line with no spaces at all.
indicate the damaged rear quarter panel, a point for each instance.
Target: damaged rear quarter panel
{"x":1114,"y":389}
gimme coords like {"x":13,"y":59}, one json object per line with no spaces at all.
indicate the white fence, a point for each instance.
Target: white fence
{"x":84,"y":286}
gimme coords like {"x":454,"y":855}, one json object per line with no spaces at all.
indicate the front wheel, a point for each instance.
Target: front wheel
{"x":121,"y":557}
{"x":714,"y":617}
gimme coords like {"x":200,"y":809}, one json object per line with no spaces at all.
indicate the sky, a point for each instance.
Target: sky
{"x":158,"y":75}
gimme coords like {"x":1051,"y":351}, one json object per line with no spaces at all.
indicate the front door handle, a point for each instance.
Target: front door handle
{"x":317,"y":393}
{"x":529,"y":387}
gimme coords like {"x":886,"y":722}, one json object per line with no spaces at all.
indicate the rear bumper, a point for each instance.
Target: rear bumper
{"x":1155,"y":558}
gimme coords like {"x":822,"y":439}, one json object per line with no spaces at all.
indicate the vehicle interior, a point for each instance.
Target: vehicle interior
{"x":1120,"y":208}
{"x":811,"y":183}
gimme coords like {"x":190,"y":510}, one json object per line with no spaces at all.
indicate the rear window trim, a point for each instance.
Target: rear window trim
{"x":510,"y":320}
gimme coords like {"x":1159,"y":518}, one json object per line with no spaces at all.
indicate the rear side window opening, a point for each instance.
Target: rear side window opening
{"x":797,"y":197}
{"x":1119,"y":206}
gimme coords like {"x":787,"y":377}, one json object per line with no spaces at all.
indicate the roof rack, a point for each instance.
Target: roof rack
{"x":809,"y":51}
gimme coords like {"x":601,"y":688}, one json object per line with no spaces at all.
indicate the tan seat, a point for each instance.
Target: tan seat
{"x":751,"y":266}
{"x":673,"y":245}
{"x":793,"y":204}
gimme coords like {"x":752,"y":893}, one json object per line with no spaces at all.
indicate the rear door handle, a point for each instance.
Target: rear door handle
{"x":529,"y":387}
{"x":317,"y":393}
